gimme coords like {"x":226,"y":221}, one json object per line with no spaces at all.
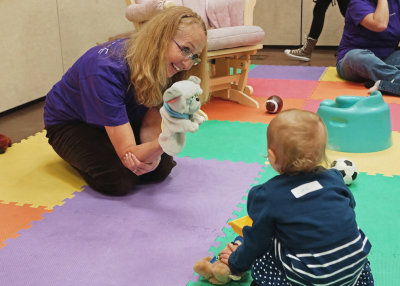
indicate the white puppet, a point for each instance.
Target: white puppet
{"x":181,"y":102}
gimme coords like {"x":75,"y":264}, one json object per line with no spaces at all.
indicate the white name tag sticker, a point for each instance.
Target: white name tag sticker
{"x":306,"y":189}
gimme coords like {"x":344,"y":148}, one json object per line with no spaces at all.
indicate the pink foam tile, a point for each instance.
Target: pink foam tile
{"x":312,"y":105}
{"x":285,"y":88}
{"x":395,"y":116}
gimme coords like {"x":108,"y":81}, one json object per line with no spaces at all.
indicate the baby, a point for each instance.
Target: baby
{"x":304,"y":228}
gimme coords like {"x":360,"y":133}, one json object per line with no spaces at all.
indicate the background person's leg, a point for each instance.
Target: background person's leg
{"x":304,"y":53}
{"x":343,"y":6}
{"x":362,"y":65}
{"x":319,"y":12}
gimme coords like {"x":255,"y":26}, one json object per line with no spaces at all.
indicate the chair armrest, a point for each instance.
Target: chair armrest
{"x":248,"y":12}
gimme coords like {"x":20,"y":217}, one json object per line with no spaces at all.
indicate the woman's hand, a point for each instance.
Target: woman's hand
{"x":138,"y":168}
{"x":226,"y":252}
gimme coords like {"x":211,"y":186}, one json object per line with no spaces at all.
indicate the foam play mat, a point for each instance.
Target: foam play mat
{"x":55,"y":230}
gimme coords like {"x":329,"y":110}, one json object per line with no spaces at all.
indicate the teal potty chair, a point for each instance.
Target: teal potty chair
{"x":357,"y":124}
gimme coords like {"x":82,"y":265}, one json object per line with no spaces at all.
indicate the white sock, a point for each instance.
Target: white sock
{"x":375,"y":87}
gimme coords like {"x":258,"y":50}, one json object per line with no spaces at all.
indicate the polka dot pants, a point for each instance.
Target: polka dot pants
{"x":366,"y":278}
{"x":266,"y":272}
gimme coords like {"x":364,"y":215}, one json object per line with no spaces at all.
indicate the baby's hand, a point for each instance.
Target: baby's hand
{"x":226,"y":252}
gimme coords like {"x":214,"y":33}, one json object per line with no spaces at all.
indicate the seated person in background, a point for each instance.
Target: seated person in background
{"x":367,"y":51}
{"x":103,"y":116}
{"x":304,"y":228}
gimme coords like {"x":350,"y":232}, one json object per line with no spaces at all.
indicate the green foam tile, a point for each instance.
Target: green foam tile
{"x":378,"y":212}
{"x":225,"y":140}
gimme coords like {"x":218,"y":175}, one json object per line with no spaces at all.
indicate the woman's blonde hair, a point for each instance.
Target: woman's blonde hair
{"x":298,"y":139}
{"x":146,"y":55}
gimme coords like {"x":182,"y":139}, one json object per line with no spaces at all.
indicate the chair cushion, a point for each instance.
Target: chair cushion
{"x":226,"y":13}
{"x":233,"y":37}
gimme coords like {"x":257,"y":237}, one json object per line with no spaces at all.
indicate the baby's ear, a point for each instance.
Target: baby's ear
{"x":194,"y":79}
{"x":171,"y":94}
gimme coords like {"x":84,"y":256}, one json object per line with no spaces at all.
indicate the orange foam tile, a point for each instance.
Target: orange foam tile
{"x":331,"y":90}
{"x":13,"y":218}
{"x":218,"y":109}
{"x":391,"y":99}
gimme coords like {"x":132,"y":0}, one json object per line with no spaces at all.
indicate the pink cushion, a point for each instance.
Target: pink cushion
{"x":232,"y":37}
{"x":225,"y":13}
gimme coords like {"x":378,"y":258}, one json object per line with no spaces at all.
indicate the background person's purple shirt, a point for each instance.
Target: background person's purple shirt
{"x":95,"y":90}
{"x":356,"y":36}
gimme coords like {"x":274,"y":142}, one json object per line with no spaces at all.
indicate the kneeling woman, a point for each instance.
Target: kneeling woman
{"x":104,"y":112}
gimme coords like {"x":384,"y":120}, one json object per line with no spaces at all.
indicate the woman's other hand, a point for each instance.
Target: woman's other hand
{"x":138,"y":168}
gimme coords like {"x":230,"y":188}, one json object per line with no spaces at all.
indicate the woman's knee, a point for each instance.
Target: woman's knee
{"x":359,"y":56}
{"x":112,"y":182}
{"x":356,"y":64}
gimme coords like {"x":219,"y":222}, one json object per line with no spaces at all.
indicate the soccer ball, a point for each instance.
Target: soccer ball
{"x":347,"y":168}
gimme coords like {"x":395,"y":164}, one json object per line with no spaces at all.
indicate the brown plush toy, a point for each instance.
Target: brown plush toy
{"x":5,"y":142}
{"x":215,"y":271}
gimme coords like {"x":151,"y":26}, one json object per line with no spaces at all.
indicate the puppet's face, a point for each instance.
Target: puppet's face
{"x":183,"y":97}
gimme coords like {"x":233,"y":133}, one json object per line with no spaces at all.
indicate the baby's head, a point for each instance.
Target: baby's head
{"x":296,"y":141}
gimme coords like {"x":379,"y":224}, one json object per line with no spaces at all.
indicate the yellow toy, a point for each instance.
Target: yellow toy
{"x":238,"y":224}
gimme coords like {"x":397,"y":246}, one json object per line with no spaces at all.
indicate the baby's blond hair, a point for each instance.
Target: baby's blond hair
{"x":298,"y":139}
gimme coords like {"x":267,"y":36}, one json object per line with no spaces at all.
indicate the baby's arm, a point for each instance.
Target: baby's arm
{"x":257,"y":238}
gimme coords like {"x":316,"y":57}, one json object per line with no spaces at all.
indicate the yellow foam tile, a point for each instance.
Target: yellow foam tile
{"x":384,"y":162}
{"x":331,"y":74}
{"x":32,"y":173}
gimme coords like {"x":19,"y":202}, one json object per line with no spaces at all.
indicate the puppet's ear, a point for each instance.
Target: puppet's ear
{"x":171,"y":93}
{"x":195,"y":79}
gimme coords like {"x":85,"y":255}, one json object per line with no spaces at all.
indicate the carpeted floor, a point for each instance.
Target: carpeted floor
{"x":54,"y":230}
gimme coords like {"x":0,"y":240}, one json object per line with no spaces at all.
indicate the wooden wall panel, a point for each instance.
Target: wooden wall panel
{"x":30,"y":50}
{"x":287,"y":22}
{"x":42,"y":39}
{"x":83,"y":24}
{"x":281,"y":21}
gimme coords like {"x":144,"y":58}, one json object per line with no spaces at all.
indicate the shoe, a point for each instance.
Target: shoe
{"x":303,"y":53}
{"x":369,"y":83}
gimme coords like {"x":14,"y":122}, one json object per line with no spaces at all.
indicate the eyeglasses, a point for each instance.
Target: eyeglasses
{"x":185,"y":51}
